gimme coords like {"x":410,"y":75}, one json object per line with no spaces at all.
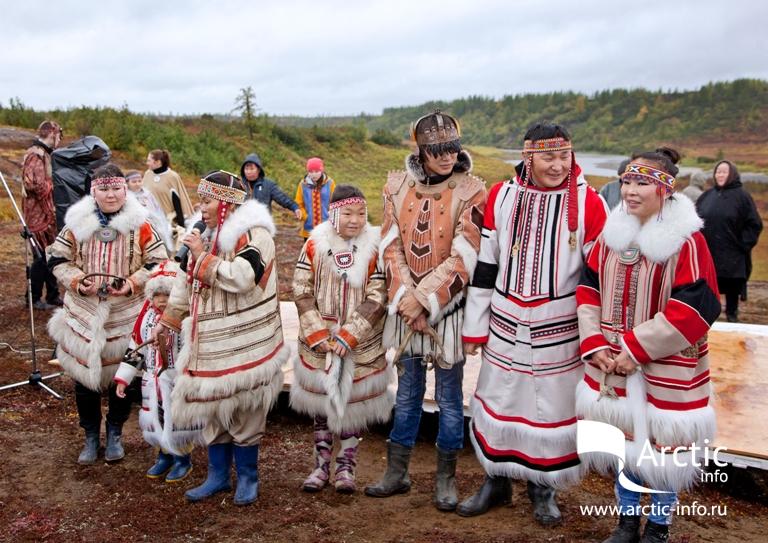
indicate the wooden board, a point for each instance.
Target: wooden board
{"x":739,"y":368}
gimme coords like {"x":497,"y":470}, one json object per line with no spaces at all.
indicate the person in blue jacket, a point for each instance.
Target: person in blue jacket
{"x":264,"y":189}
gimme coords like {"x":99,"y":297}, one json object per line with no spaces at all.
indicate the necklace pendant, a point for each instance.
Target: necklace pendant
{"x":515,"y":248}
{"x":572,"y":241}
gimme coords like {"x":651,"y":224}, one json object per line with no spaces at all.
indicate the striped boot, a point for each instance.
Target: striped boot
{"x":323,"y":447}
{"x":344,"y":480}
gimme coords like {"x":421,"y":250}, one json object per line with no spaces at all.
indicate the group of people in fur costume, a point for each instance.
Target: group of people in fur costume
{"x":576,"y":314}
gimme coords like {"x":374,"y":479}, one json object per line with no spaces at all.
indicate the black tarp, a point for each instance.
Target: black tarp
{"x":72,"y":169}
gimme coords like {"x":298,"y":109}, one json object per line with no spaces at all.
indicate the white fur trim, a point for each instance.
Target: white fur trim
{"x":355,"y":416}
{"x":436,"y":313}
{"x":157,"y":281}
{"x":390,"y":236}
{"x":658,"y":238}
{"x":556,"y":479}
{"x":125,"y":373}
{"x":392,"y":307}
{"x":414,"y":167}
{"x":82,"y":220}
{"x":251,"y":214}
{"x":467,"y":253}
{"x":326,"y":239}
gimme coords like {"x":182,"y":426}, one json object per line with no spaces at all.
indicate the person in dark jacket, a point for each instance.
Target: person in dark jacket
{"x":611,"y":192}
{"x":732,"y":227}
{"x":264,"y":189}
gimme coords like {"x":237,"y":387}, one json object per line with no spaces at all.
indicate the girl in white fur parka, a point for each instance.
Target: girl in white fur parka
{"x":646,"y":301}
{"x":342,"y":376}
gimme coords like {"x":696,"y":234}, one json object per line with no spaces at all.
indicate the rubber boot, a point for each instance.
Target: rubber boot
{"x":322,"y":472}
{"x":90,"y":452}
{"x":446,"y":497}
{"x":346,"y":462}
{"x":182,"y":466}
{"x":114,"y":449}
{"x":218,"y":479}
{"x":163,"y":463}
{"x":655,"y":533}
{"x":395,"y":479}
{"x":628,"y":530}
{"x":495,"y":491}
{"x":545,"y":509}
{"x":247,"y":466}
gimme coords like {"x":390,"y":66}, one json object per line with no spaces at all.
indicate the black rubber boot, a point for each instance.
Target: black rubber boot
{"x":114,"y":449}
{"x":90,"y":452}
{"x":395,"y":479}
{"x":495,"y":491}
{"x":655,"y":533}
{"x":628,"y":530}
{"x":446,"y":496}
{"x":545,"y":509}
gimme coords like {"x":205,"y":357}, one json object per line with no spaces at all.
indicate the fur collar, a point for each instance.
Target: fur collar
{"x":327,"y":240}
{"x":251,"y":214}
{"x":82,"y":220}
{"x":657,"y":239}
{"x":414,"y":167}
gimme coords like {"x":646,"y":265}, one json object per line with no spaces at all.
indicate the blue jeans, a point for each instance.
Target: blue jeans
{"x":410,"y":398}
{"x":662,"y":505}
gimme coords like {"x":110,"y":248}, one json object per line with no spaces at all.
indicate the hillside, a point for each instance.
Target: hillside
{"x":719,"y":119}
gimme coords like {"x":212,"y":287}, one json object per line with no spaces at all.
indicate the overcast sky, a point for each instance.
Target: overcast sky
{"x":334,"y":57}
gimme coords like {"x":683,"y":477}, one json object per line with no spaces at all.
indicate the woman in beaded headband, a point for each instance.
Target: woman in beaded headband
{"x":648,"y":181}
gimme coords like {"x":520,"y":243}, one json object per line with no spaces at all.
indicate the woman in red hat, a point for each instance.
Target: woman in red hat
{"x":314,"y":195}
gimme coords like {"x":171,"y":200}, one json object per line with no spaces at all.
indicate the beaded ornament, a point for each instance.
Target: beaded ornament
{"x":641,"y":172}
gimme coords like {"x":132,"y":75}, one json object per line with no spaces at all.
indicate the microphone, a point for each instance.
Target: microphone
{"x":184,"y":251}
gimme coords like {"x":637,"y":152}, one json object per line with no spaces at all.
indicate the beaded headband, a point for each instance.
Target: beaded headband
{"x":547,"y":145}
{"x":641,"y":172}
{"x":347,"y":202}
{"x":222,"y":193}
{"x":107,"y":182}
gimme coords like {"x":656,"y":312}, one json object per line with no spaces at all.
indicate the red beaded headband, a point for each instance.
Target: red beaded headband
{"x":641,"y":172}
{"x":347,"y":202}
{"x":547,"y":145}
{"x":107,"y":182}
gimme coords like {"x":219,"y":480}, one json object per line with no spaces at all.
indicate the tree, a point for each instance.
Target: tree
{"x":245,"y":103}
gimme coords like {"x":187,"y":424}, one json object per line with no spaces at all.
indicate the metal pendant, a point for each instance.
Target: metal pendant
{"x":572,"y":241}
{"x":629,"y":256}
{"x":515,"y":248}
{"x":156,"y":179}
{"x":106,"y":234}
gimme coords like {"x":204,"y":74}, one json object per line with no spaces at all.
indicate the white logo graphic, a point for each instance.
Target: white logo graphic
{"x":593,"y":436}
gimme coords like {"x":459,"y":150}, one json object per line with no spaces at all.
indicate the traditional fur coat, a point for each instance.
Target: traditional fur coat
{"x":334,"y":297}
{"x":93,"y":333}
{"x":156,"y":418}
{"x":431,"y":239}
{"x":651,"y":290}
{"x":521,"y":307}
{"x":233,"y":349}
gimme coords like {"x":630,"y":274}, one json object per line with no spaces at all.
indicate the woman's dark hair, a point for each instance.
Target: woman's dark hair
{"x":218,"y":177}
{"x":342,"y":192}
{"x":162,"y":155}
{"x":107,"y":170}
{"x":733,"y":171}
{"x":546,"y":130}
{"x":664,"y":157}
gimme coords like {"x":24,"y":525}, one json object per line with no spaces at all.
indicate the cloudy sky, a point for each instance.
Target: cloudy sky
{"x":344,"y":57}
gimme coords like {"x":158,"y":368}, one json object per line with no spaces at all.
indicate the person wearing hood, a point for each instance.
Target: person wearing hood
{"x":262,"y":188}
{"x":732,"y":227}
{"x":611,"y":192}
{"x":695,"y":188}
{"x":314,"y":195}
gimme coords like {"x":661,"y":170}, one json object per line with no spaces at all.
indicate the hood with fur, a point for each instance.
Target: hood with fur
{"x":251,"y":214}
{"x":83,"y":221}
{"x":659,"y":238}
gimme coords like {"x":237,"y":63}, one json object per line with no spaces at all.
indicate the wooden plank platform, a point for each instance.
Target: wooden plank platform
{"x":739,"y":368}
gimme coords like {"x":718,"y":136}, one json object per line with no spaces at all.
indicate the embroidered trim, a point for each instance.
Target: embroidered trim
{"x":230,"y":195}
{"x":547,"y":145}
{"x":641,"y":172}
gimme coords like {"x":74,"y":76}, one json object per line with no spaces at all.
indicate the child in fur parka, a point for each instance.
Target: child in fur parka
{"x":156,"y":419}
{"x":342,"y":376}
{"x":646,"y":300}
{"x":103,"y":256}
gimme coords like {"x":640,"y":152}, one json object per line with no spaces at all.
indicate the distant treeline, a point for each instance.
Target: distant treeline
{"x":616,"y":121}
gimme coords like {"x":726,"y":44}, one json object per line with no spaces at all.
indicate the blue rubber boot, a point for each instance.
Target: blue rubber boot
{"x":161,"y":466}
{"x":182,"y":466}
{"x":218,"y":480}
{"x":247,"y":465}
